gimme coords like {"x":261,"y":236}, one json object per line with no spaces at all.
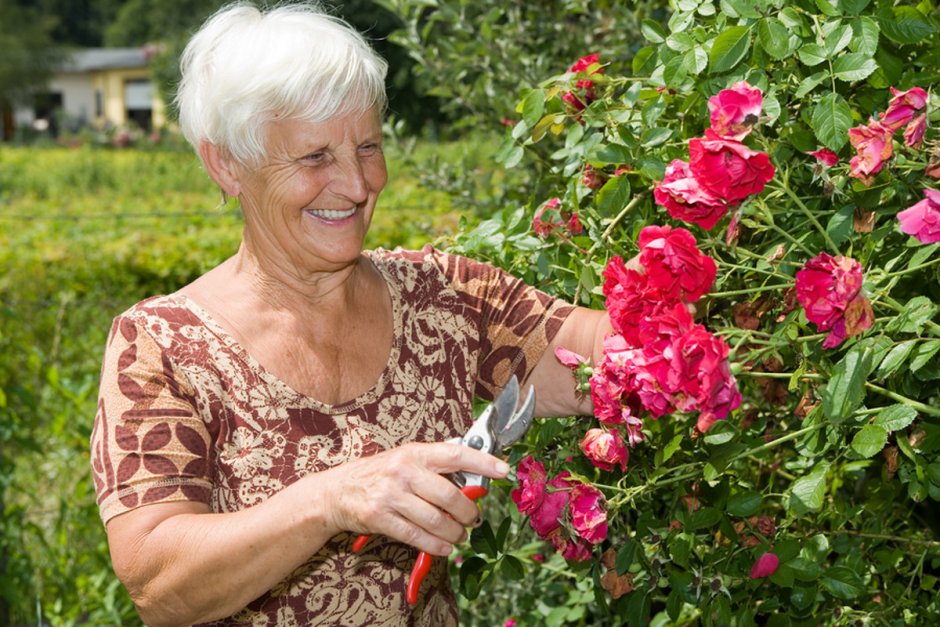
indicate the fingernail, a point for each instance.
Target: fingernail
{"x":478,"y":521}
{"x":502,"y":467}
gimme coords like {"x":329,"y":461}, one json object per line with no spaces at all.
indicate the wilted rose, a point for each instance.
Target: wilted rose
{"x":922,"y":220}
{"x":734,"y":111}
{"x":873,"y":146}
{"x":903,"y":106}
{"x":914,"y":132}
{"x":605,"y":449}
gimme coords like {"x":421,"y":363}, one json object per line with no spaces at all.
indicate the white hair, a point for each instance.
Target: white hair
{"x":246,"y":67}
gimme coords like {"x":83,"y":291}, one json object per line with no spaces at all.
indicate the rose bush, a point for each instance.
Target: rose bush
{"x":756,"y":194}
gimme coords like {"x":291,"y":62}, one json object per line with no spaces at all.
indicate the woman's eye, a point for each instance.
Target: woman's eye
{"x":369,"y":149}
{"x":315,"y":157}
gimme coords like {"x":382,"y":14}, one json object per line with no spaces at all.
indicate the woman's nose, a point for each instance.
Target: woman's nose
{"x":350,"y":181}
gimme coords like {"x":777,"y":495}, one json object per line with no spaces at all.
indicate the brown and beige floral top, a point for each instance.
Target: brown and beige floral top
{"x":186,"y":414}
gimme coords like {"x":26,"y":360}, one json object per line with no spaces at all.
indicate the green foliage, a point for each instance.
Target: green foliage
{"x":27,"y":51}
{"x":837,"y":449}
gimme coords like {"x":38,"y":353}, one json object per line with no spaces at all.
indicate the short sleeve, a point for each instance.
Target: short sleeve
{"x":148,"y":444}
{"x":517,"y":321}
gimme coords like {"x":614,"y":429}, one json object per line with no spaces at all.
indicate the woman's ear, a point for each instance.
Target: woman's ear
{"x":221,"y":168}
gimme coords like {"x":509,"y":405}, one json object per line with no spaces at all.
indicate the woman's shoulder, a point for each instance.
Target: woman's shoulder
{"x":453,"y":268}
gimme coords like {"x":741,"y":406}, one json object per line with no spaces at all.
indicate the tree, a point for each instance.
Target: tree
{"x":27,"y":52}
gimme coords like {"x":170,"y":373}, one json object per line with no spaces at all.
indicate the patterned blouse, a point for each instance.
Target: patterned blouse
{"x":186,"y":414}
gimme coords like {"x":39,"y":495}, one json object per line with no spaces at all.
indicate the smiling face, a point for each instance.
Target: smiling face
{"x":309,"y":206}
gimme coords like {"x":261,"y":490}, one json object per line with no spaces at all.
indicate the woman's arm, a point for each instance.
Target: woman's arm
{"x":182,"y":564}
{"x":583,"y":332}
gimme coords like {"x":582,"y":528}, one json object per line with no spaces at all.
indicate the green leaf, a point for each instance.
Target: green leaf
{"x":483,"y":540}
{"x":808,"y":492}
{"x":853,"y":66}
{"x":644,"y":60}
{"x":915,"y":315}
{"x":846,"y":388}
{"x":655,"y":136}
{"x":744,"y":503}
{"x":653,"y":31}
{"x":923,"y":354}
{"x":804,"y":569}
{"x":532,"y":107}
{"x":812,"y":54}
{"x":841,"y":224}
{"x":854,"y":7}
{"x":933,"y":473}
{"x":865,"y":33}
{"x":774,"y":38}
{"x":895,"y":358}
{"x":512,"y":567}
{"x":729,"y":48}
{"x":625,"y":557}
{"x":673,"y":446}
{"x":838,"y":39}
{"x":832,"y":119}
{"x":705,"y":518}
{"x":842,"y":582}
{"x":614,"y":195}
{"x":809,"y":83}
{"x":907,"y":25}
{"x":869,"y":440}
{"x":895,"y":417}
{"x":829,"y":7}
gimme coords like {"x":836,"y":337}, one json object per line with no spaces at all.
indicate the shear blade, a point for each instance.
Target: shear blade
{"x":518,"y":425}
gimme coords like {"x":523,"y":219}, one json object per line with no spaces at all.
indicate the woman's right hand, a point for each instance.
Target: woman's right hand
{"x":403,"y":494}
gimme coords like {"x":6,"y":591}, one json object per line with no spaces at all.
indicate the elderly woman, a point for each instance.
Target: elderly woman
{"x":253,"y":423}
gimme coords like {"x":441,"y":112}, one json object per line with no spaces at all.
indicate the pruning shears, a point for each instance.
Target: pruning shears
{"x":500,"y":425}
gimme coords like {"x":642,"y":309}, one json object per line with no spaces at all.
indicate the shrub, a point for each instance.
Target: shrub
{"x":766,"y":163}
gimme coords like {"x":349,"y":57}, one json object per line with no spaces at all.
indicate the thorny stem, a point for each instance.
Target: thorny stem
{"x":926,"y":409}
{"x":606,"y":235}
{"x":752,"y":290}
{"x":629,"y":494}
{"x":785,"y":187}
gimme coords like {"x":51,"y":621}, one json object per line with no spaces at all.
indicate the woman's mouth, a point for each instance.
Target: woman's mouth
{"x":332,"y":215}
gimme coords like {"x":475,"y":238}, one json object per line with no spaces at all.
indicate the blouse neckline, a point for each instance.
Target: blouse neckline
{"x":369,"y":396}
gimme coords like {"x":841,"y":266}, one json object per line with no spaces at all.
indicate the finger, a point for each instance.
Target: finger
{"x":404,"y":530}
{"x":447,"y":458}
{"x":443,"y":494}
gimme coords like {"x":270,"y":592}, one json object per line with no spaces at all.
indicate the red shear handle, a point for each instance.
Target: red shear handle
{"x":423,"y":563}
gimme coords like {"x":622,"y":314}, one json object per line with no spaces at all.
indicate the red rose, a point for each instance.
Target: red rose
{"x":674,"y":266}
{"x":685,"y":198}
{"x":829,"y":289}
{"x":727,"y":168}
{"x":588,"y":514}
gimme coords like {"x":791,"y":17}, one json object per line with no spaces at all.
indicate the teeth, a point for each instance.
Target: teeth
{"x":328,"y":214}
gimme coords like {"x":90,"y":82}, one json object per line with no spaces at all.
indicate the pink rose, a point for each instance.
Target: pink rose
{"x":674,"y":265}
{"x":922,"y":220}
{"x":548,"y":515}
{"x":588,"y":513}
{"x":529,"y":495}
{"x":510,"y":622}
{"x":903,"y":106}
{"x":825,"y":156}
{"x":914,"y":133}
{"x":605,"y":449}
{"x":727,"y":168}
{"x":574,"y":224}
{"x":765,"y":566}
{"x":735,"y":111}
{"x":568,"y":358}
{"x":628,"y":297}
{"x":829,"y":289}
{"x":573,"y":549}
{"x":685,"y":199}
{"x":873,"y":146}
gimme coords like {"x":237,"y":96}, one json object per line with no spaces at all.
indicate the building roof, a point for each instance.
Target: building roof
{"x":90,"y":59}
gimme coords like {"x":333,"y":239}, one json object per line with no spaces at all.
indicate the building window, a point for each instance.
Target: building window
{"x":138,"y":102}
{"x":99,"y":104}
